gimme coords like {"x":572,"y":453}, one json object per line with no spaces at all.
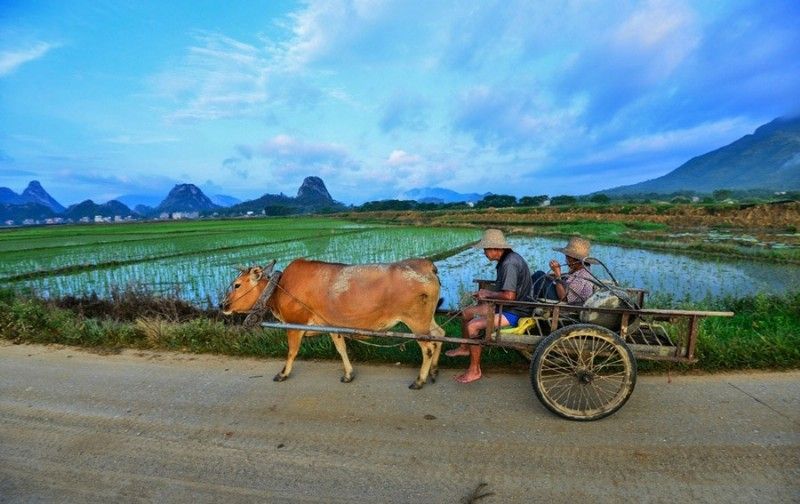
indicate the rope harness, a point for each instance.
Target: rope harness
{"x":256,"y":314}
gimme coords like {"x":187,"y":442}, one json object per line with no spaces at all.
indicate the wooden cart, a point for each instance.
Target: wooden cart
{"x":583,"y":358}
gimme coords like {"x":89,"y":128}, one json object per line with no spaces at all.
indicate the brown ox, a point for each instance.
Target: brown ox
{"x":373,"y":296}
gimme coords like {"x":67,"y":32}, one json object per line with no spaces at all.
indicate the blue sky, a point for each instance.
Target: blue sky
{"x":102,"y":99}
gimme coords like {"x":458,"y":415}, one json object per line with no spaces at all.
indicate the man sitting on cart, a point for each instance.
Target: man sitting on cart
{"x":573,"y":288}
{"x":513,"y":283}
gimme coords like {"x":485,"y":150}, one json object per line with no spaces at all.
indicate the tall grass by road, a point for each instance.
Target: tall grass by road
{"x":764,"y":334}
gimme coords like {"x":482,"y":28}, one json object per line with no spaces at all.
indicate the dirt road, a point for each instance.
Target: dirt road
{"x":145,"y":427}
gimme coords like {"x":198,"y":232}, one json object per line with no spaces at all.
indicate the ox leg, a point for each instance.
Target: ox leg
{"x":427,"y":348}
{"x":293,"y":338}
{"x":341,"y":347}
{"x":435,"y":330}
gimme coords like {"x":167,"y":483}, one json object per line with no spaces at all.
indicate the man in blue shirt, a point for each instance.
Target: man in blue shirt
{"x":513,"y":283}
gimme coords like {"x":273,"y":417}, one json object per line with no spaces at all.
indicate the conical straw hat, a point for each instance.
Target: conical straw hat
{"x":493,"y":238}
{"x":577,"y":247}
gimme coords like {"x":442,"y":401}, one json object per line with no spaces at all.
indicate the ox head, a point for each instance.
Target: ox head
{"x":246,"y":288}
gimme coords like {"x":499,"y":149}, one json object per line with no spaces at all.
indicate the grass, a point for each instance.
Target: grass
{"x":764,"y":334}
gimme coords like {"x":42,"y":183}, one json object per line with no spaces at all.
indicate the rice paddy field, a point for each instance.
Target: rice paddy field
{"x":155,"y":285}
{"x":195,"y":260}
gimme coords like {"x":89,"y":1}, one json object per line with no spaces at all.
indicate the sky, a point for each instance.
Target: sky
{"x":103,"y":99}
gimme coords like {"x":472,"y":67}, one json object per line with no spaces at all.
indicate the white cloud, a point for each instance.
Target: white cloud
{"x":220,"y":78}
{"x":10,"y":60}
{"x":662,"y":32}
{"x":140,"y":140}
{"x":401,"y":157}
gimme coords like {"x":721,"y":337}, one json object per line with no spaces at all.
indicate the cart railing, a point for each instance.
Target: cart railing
{"x":637,"y":327}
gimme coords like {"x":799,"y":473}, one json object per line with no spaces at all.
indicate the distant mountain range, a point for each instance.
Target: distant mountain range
{"x":183,"y":200}
{"x":767,"y":159}
{"x":90,"y":209}
{"x":34,"y":193}
{"x":439,"y":195}
{"x":312,"y":196}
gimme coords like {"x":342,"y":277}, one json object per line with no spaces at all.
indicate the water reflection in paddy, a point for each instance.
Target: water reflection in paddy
{"x":681,"y":277}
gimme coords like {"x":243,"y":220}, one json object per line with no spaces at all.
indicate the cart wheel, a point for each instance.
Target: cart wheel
{"x":583,"y":372}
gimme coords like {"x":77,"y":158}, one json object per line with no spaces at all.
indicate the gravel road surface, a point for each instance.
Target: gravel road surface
{"x":168,"y":427}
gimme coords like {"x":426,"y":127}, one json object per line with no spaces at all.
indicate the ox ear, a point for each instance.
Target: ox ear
{"x":256,"y":273}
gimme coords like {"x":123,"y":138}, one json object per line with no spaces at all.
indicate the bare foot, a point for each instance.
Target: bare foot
{"x":457,"y":352}
{"x":468,"y":377}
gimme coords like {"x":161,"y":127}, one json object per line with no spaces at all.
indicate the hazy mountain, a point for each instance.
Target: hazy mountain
{"x":144,"y":210}
{"x":312,"y":196}
{"x":439,"y":195}
{"x":35,"y":193}
{"x":90,"y":209}
{"x":224,"y":200}
{"x":133,"y":200}
{"x":186,"y":198}
{"x":9,"y":197}
{"x":767,"y":159}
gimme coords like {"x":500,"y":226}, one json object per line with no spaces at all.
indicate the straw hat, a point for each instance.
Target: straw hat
{"x":577,"y":248}
{"x":493,"y":238}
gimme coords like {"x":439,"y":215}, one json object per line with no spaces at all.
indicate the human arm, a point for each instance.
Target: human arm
{"x":561,"y":291}
{"x":490,"y":294}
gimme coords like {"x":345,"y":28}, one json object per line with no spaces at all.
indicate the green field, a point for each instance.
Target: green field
{"x":153,"y":285}
{"x":195,"y":259}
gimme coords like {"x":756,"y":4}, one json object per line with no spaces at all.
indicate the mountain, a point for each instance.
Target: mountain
{"x":19,"y":213}
{"x":224,"y":200}
{"x":90,"y":209}
{"x":439,"y":195}
{"x":133,"y":200}
{"x":313,"y":192}
{"x":186,"y":198}
{"x":35,"y":193}
{"x":312,"y":197}
{"x":9,"y":197}
{"x":767,"y":159}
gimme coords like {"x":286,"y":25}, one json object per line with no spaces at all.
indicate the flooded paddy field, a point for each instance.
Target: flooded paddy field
{"x":194,"y":260}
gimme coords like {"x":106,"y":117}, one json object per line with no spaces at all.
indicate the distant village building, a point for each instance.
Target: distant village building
{"x":185,"y":215}
{"x":545,"y":202}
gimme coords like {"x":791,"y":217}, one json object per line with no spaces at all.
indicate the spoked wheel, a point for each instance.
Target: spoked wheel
{"x":583,"y":372}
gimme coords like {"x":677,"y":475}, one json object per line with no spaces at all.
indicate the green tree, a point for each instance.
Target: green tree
{"x":722,"y":194}
{"x":533,"y":200}
{"x":497,"y":201}
{"x":600,"y":198}
{"x":564,"y":199}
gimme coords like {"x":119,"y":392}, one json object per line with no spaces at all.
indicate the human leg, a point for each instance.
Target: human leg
{"x":474,"y":328}
{"x":468,"y":315}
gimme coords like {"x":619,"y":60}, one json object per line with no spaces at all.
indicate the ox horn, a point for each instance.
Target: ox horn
{"x":269,"y":267}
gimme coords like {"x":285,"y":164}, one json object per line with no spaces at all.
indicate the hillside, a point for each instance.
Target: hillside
{"x":312,"y":196}
{"x":767,"y":159}
{"x":91,"y":209}
{"x":186,"y":198}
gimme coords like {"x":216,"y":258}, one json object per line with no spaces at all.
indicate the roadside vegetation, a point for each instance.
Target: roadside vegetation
{"x":764,"y":334}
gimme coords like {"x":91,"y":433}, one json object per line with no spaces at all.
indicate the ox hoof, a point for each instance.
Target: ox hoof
{"x":415,"y":385}
{"x":347,"y":379}
{"x":279,"y":377}
{"x":433,"y":375}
